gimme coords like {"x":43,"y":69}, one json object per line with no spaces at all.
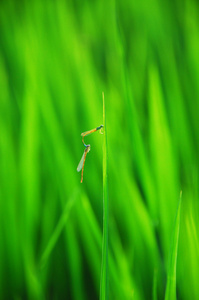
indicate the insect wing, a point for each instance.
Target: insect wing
{"x":80,"y":165}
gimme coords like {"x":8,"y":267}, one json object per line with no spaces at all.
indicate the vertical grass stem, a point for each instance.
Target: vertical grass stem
{"x":104,"y":265}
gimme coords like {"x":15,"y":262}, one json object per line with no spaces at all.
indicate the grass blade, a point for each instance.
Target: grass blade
{"x":155,"y":288}
{"x":104,"y":266}
{"x":56,"y":234}
{"x":171,"y":274}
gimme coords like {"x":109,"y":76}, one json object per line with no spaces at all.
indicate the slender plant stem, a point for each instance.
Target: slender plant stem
{"x":104,"y":266}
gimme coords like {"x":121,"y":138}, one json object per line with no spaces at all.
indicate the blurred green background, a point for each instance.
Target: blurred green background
{"x":56,"y":58}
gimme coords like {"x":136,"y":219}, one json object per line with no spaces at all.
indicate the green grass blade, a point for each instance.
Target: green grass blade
{"x":155,"y":290}
{"x":55,"y":235}
{"x":104,"y":267}
{"x":74,"y":260}
{"x":171,"y":274}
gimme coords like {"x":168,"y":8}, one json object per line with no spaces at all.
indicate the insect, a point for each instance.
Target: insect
{"x":87,"y":149}
{"x":83,"y":134}
{"x":82,"y":161}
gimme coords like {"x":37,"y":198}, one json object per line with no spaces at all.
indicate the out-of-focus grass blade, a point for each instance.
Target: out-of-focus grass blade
{"x":74,"y":260}
{"x":155,"y":292}
{"x":90,"y":234}
{"x":163,"y":156}
{"x":123,"y":273}
{"x":57,"y":230}
{"x":138,"y":149}
{"x":171,"y":274}
{"x":104,"y":267}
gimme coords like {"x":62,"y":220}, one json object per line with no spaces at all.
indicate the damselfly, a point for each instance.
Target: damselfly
{"x":82,"y":161}
{"x":83,"y":134}
{"x":88,"y":147}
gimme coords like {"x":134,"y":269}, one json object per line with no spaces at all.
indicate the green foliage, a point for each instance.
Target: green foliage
{"x":56,"y":58}
{"x":171,"y":273}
